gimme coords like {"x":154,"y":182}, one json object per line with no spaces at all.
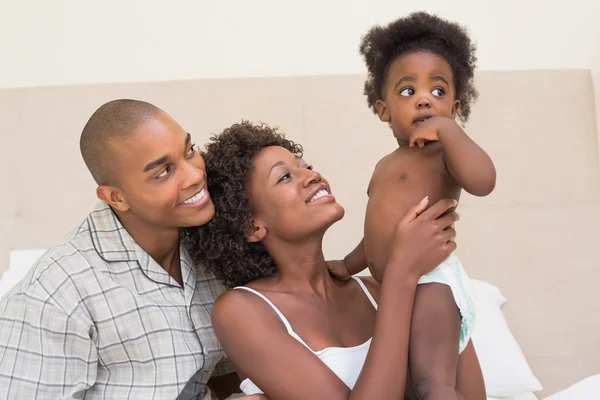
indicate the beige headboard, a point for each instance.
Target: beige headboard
{"x":536,"y":236}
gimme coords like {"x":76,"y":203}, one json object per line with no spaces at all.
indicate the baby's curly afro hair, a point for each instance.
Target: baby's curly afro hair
{"x":221,"y":246}
{"x":420,"y":31}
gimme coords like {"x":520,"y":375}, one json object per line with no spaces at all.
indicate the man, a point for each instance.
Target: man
{"x":116,"y":310}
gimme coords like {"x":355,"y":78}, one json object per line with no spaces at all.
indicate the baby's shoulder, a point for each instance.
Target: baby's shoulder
{"x":384,"y":165}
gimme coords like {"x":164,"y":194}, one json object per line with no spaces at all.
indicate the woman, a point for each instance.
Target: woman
{"x":293,"y":331}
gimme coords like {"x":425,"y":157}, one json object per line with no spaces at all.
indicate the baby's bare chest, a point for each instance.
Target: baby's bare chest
{"x":402,"y":181}
{"x":397,"y":185}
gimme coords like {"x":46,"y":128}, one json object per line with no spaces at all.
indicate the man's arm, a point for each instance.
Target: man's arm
{"x":43,"y":351}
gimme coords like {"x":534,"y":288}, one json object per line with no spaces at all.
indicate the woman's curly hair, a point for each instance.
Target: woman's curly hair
{"x":221,"y":245}
{"x":420,"y":31}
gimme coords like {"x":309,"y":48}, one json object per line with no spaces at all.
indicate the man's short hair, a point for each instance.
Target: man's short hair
{"x":116,"y":119}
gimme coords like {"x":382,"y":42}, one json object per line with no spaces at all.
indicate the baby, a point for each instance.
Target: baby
{"x":420,"y":79}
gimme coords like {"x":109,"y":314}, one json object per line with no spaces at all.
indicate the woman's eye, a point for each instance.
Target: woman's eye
{"x":284,"y":177}
{"x":164,"y":172}
{"x":438,"y":92}
{"x":407,"y":92}
{"x":309,"y":167}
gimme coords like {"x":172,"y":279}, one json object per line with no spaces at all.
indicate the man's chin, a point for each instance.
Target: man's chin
{"x":198,"y":217}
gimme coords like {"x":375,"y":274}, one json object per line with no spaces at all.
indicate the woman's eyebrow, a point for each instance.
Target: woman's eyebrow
{"x":277,"y":164}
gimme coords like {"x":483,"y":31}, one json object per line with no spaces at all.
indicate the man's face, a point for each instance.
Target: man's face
{"x":160,"y":176}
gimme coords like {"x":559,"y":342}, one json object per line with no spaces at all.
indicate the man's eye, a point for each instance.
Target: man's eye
{"x":407,"y":92}
{"x":164,"y":172}
{"x":192,"y":149}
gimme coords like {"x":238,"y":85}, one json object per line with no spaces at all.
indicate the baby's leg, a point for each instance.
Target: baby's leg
{"x":434,"y":343}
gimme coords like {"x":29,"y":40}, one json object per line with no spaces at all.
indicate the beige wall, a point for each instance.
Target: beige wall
{"x":72,"y":42}
{"x":535,"y":236}
{"x":65,"y":42}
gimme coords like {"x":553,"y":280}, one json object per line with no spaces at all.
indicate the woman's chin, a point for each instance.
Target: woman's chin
{"x":337,"y":213}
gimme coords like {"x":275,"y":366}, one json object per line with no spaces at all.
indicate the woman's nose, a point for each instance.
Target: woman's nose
{"x":311,"y":177}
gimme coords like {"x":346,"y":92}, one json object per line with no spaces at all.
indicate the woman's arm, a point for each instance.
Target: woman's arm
{"x":258,"y":344}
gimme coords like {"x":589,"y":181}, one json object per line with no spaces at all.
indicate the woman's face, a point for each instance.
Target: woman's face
{"x":290,"y":201}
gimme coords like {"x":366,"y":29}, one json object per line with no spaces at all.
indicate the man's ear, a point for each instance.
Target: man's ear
{"x":113,"y":197}
{"x":382,"y":111}
{"x":257,"y":233}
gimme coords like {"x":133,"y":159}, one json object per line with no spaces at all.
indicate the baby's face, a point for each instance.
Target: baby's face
{"x":419,"y":85}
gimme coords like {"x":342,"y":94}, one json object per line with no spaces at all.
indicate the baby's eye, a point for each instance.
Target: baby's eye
{"x":407,"y":92}
{"x":438,"y":92}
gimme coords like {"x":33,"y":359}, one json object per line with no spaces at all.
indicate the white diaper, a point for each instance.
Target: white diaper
{"x":451,"y":273}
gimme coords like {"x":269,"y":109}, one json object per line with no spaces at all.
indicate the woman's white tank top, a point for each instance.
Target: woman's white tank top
{"x":345,"y":362}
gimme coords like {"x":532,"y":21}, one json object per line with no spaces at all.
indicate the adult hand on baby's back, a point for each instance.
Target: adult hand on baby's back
{"x":424,"y":237}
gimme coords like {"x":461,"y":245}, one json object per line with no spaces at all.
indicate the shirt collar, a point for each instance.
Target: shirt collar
{"x":114,"y":243}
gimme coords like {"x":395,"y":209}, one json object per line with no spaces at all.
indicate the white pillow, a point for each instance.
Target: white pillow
{"x":585,"y":389}
{"x":20,"y":262}
{"x":505,"y":369}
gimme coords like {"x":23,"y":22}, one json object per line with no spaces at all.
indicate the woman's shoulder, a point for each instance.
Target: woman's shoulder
{"x":241,"y":304}
{"x":237,"y":298}
{"x":372,"y":286}
{"x":233,"y":303}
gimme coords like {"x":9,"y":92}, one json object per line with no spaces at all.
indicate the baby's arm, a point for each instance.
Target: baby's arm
{"x":353,"y":263}
{"x":468,"y":163}
{"x":356,"y":260}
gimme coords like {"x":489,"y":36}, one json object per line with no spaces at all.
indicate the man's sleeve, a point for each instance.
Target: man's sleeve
{"x":223,"y":367}
{"x":44,"y":353}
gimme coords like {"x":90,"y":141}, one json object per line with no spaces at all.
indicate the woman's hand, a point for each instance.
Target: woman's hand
{"x":423,"y":238}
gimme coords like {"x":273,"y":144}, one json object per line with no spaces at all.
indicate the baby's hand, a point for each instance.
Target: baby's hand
{"x":427,"y":131}
{"x":339,"y":269}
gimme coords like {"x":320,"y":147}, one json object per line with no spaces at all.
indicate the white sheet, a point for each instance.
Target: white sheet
{"x":585,"y":389}
{"x":522,"y":396}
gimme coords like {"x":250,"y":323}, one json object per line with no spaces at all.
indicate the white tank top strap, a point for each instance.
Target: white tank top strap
{"x":283,"y":319}
{"x":367,"y":293}
{"x":262,"y":296}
